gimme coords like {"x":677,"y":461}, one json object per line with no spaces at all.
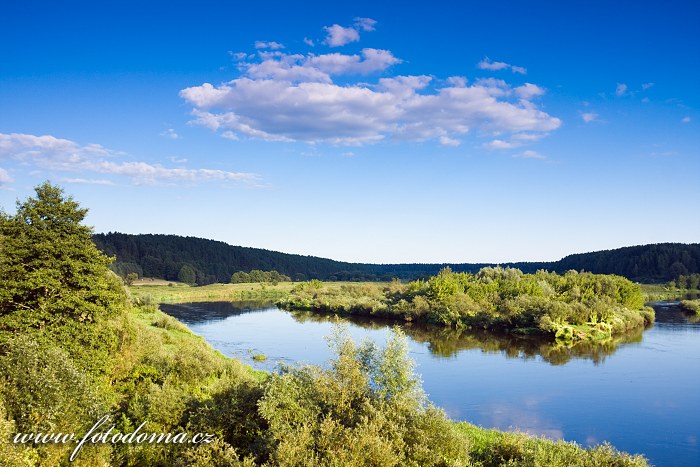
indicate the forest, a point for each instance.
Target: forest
{"x":165,"y":256}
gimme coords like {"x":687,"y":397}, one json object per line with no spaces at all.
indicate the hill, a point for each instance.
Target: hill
{"x":163,"y":256}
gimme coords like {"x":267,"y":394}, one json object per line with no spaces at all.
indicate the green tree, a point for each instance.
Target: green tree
{"x":240,"y":277}
{"x":187,"y":274}
{"x":256,"y":275}
{"x":130,"y":278}
{"x":49,"y":266}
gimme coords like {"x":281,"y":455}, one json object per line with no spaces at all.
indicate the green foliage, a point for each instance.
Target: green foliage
{"x":366,"y":409}
{"x":570,"y":307}
{"x":162,"y":256}
{"x":130,"y":278}
{"x":491,"y":448}
{"x":691,"y":306}
{"x":49,"y":267}
{"x":187,"y":275}
{"x":258,"y":276}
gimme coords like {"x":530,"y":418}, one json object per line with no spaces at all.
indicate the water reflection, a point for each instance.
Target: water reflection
{"x":206,"y":312}
{"x":440,"y":341}
{"x":447,"y":342}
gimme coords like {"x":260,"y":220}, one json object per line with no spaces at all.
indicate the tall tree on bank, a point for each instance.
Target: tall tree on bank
{"x":53,"y":279}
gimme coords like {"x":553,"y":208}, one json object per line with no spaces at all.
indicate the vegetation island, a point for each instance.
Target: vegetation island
{"x":569,"y":307}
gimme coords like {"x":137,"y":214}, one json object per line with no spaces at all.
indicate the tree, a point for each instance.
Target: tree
{"x":240,"y":277}
{"x":130,"y":278}
{"x":49,"y":266}
{"x":187,"y":274}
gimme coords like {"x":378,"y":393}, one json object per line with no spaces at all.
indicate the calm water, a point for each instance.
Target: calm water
{"x":641,"y":393}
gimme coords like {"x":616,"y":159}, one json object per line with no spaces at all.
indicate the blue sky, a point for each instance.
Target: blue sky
{"x":366,"y":131}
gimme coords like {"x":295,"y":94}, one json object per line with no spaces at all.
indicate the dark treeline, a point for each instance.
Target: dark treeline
{"x":659,"y":262}
{"x":165,"y":256}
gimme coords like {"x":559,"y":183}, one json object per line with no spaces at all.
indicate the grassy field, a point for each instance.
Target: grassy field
{"x":153,"y":291}
{"x":162,"y":293}
{"x":660,"y":292}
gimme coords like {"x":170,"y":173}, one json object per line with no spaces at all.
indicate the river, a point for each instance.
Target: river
{"x":641,"y":393}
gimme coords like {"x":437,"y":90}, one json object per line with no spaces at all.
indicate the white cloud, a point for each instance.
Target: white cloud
{"x":457,"y":81}
{"x":645,"y":100}
{"x":348,"y":154}
{"x":339,"y":36}
{"x":685,"y":120}
{"x":621,"y":89}
{"x":170,"y":134}
{"x":500,"y":144}
{"x":55,"y":154}
{"x":5,"y":177}
{"x":89,"y":181}
{"x":337,"y":64}
{"x":529,"y":154}
{"x":309,"y":42}
{"x":365,"y":24}
{"x":268,"y":45}
{"x":238,"y":56}
{"x":515,"y":141}
{"x":646,"y":86}
{"x":488,"y":64}
{"x":528,"y":91}
{"x":447,"y":141}
{"x":589,"y":116}
{"x":316,"y":99}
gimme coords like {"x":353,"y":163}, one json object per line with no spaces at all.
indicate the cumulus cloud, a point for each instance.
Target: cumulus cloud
{"x":89,"y":181}
{"x":170,"y":134}
{"x":339,"y":36}
{"x":5,"y":177}
{"x":528,"y":91}
{"x":529,"y":154}
{"x":365,"y":24}
{"x":620,"y":89}
{"x":488,"y":64}
{"x":589,"y":116}
{"x":516,"y":140}
{"x":447,"y":141}
{"x":309,"y":42}
{"x":646,"y":86}
{"x":337,"y":98}
{"x":51,"y":153}
{"x":268,"y":45}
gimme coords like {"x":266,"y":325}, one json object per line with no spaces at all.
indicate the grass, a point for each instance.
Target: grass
{"x":259,"y":357}
{"x":178,"y":293}
{"x":661,"y":292}
{"x":494,"y":448}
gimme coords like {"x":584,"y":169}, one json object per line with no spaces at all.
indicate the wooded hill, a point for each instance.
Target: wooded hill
{"x":164,"y":256}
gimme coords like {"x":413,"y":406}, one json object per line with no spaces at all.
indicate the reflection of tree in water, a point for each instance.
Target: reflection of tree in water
{"x":200,"y":312}
{"x":447,"y":342}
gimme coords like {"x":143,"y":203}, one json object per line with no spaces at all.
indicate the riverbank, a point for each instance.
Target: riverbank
{"x":479,"y":446}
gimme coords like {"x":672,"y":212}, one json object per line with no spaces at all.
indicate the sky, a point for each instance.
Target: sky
{"x":361,"y":131}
